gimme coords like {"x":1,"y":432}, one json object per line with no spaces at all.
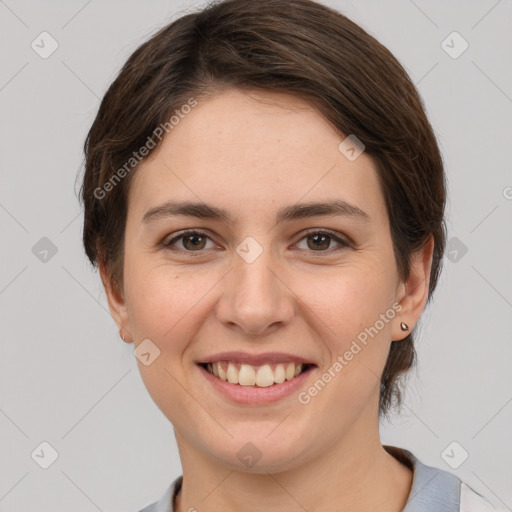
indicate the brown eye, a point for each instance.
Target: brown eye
{"x":192,"y":241}
{"x":196,"y":241}
{"x":320,"y":241}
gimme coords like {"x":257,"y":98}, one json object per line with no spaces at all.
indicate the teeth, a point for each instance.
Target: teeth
{"x":221,"y":371}
{"x":248,"y":375}
{"x":232,"y":374}
{"x":290,"y":371}
{"x":279,"y":374}
{"x":265,"y":376}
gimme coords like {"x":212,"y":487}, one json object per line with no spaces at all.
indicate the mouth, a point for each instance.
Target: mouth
{"x":263,"y":376}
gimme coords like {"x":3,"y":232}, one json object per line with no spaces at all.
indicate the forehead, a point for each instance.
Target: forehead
{"x":251,"y":151}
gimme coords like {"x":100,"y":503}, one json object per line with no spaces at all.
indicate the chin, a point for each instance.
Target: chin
{"x":262,"y":453}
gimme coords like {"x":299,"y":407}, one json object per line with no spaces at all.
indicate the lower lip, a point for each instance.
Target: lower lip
{"x":254,"y":395}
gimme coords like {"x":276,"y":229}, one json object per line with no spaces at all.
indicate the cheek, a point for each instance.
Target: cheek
{"x":347,"y":307}
{"x":166,"y":307}
{"x":347,"y":316}
{"x":347,"y":300}
{"x":157,"y":297}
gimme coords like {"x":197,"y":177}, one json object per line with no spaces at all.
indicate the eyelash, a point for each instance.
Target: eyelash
{"x":184,"y":234}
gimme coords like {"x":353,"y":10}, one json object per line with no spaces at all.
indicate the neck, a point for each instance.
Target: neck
{"x":356,"y":473}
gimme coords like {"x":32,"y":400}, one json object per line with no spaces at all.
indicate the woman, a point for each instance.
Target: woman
{"x":264,"y":198}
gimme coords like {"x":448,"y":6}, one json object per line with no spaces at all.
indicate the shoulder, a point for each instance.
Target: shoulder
{"x":166,"y":501}
{"x":435,"y":490}
{"x":471,"y":501}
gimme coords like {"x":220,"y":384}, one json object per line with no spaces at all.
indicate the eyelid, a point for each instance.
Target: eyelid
{"x":181,"y":234}
{"x":338,"y":237}
{"x":342,"y":240}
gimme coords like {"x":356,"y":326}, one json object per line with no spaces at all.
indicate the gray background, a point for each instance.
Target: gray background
{"x":65,"y":376}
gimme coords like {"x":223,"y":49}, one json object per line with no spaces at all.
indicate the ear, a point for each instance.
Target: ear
{"x":116,"y":304}
{"x":414,"y":292}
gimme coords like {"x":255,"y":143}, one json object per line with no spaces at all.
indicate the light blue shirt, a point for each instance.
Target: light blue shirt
{"x":433,"y":490}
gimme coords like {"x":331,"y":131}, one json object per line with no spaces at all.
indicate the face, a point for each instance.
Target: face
{"x":306,"y":286}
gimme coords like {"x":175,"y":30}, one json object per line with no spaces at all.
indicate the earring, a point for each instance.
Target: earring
{"x":404,"y":326}
{"x":122,"y":335}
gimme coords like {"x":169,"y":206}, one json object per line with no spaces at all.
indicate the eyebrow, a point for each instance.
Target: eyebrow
{"x":335,"y":207}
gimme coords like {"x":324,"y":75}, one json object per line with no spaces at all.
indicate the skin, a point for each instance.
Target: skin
{"x":253,"y":154}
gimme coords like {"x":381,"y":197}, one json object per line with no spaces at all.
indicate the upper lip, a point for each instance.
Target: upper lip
{"x":255,"y":359}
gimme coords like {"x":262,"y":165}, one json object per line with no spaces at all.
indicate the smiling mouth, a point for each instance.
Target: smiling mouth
{"x":258,"y":376}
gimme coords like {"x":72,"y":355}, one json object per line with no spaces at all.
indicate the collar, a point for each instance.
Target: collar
{"x":432,"y":489}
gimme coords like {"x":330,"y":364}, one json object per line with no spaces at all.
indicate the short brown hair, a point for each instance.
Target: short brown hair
{"x":300,"y":47}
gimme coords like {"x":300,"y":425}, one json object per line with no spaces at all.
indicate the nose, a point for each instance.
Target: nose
{"x":255,"y":299}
